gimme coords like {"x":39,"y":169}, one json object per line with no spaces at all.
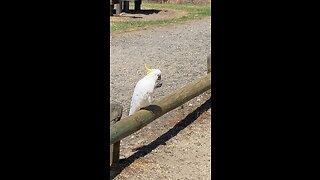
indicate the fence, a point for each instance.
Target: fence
{"x":121,"y":128}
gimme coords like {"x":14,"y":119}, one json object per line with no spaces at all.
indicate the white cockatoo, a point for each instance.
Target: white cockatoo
{"x":142,"y":94}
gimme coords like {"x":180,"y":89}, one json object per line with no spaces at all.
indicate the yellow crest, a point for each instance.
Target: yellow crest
{"x":147,"y":69}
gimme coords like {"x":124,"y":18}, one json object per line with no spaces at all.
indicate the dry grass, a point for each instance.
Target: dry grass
{"x":193,"y":11}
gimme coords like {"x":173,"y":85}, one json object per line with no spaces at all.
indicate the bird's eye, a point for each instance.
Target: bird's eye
{"x":159,"y":77}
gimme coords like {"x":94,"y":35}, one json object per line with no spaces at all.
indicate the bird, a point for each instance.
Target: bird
{"x":142,"y":94}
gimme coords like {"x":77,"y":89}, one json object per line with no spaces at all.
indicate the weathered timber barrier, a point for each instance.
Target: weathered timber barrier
{"x":129,"y":125}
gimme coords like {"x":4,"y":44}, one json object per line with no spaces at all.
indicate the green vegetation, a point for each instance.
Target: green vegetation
{"x":194,"y":11}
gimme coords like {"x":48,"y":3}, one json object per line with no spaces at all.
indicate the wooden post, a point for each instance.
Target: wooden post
{"x":111,"y":10}
{"x":115,"y":116}
{"x":119,"y":8}
{"x":133,"y":123}
{"x":126,"y":6}
{"x":137,"y":5}
{"x":209,"y":63}
{"x":111,"y":7}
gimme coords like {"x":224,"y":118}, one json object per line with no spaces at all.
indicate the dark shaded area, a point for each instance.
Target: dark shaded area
{"x":144,"y":150}
{"x":153,"y":108}
{"x":145,"y":12}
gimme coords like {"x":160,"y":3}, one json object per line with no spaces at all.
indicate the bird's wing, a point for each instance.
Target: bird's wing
{"x":138,"y":99}
{"x":149,"y":97}
{"x":142,"y":95}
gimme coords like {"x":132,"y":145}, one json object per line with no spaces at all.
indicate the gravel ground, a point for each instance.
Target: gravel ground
{"x":179,"y":51}
{"x":178,"y":144}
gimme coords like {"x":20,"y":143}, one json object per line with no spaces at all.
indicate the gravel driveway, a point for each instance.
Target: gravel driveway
{"x":180,"y":52}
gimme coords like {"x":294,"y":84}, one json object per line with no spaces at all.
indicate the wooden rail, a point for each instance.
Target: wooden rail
{"x":143,"y":117}
{"x":133,"y":123}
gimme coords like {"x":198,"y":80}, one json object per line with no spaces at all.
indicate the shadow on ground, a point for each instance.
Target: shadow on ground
{"x":144,"y":150}
{"x":145,"y":11}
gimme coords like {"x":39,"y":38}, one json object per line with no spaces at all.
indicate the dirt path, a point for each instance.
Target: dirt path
{"x":178,"y":144}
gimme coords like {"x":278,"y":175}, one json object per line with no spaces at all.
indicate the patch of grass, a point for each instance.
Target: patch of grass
{"x":194,"y":11}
